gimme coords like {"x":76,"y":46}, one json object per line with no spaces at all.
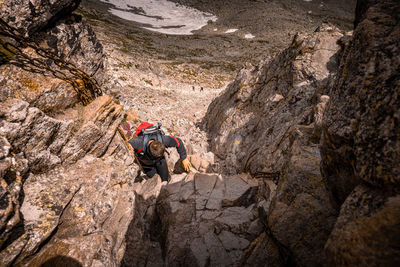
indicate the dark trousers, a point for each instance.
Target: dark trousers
{"x":160,"y":167}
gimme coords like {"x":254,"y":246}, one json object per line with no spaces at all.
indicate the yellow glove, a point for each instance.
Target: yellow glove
{"x":186,"y":165}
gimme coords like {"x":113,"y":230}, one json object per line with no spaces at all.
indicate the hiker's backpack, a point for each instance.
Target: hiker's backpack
{"x":149,"y":131}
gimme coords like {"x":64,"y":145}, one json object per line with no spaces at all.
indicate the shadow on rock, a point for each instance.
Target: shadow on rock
{"x":61,"y":261}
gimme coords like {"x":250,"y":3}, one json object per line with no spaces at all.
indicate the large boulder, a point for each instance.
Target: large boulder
{"x":361,"y":145}
{"x":268,"y":123}
{"x":367,"y":231}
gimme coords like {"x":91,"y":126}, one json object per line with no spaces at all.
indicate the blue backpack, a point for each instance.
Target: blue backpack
{"x":151,"y":132}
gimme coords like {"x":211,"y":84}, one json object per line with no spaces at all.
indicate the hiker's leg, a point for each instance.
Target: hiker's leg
{"x":150,"y":170}
{"x":162,"y":169}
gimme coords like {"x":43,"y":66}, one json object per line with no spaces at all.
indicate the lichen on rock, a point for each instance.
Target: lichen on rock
{"x":360,"y":145}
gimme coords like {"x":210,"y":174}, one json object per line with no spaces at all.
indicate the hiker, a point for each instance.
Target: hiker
{"x":149,"y":146}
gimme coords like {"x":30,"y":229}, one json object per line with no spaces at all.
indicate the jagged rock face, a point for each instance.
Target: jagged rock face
{"x":31,"y":16}
{"x":268,"y":122}
{"x":197,"y":219}
{"x":360,"y":148}
{"x":86,"y":207}
{"x":12,"y":168}
{"x":71,"y":39}
{"x":86,"y":196}
{"x":250,"y":124}
{"x":74,"y":40}
{"x":47,"y":142}
{"x":66,"y":193}
{"x":67,"y":36}
{"x":29,"y":131}
{"x":361,"y":124}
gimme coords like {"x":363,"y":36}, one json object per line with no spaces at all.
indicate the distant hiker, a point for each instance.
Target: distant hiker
{"x":192,"y":87}
{"x":149,"y":146}
{"x":201,"y":89}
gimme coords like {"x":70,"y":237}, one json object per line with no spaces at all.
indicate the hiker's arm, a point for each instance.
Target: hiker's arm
{"x":170,"y":141}
{"x":136,"y":144}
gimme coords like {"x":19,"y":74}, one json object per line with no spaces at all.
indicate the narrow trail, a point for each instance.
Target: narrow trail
{"x":175,"y":95}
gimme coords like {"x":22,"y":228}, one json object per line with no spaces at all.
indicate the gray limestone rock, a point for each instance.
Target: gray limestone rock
{"x":12,"y":170}
{"x":259,"y":111}
{"x":84,"y":210}
{"x":73,"y":40}
{"x":66,"y":192}
{"x":99,"y":122}
{"x":32,"y":132}
{"x":47,"y":142}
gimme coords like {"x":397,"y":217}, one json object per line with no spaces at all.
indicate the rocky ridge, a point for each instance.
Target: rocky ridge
{"x":271,"y":118}
{"x":65,"y":189}
{"x":54,"y":165}
{"x":277,"y":123}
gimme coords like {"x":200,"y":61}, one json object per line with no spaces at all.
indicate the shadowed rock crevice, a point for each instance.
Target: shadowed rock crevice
{"x":60,"y":260}
{"x":145,"y":242}
{"x":196,"y":219}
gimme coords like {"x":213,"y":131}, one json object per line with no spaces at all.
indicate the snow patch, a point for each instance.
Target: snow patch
{"x":231,"y":30}
{"x":249,"y":36}
{"x":161,"y":15}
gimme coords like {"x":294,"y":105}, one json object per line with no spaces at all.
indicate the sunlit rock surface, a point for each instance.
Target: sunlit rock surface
{"x":42,"y":83}
{"x":64,"y":170}
{"x":268,"y":123}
